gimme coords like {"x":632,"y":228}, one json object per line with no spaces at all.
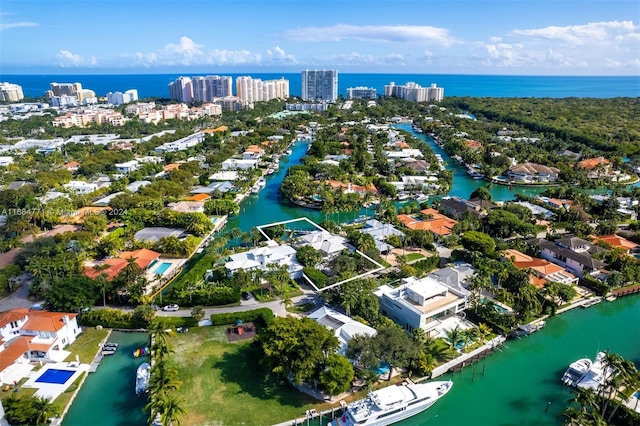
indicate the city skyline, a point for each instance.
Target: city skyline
{"x":530,"y":37}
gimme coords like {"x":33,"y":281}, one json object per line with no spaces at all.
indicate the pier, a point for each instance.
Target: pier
{"x":625,"y":291}
{"x":468,"y":359}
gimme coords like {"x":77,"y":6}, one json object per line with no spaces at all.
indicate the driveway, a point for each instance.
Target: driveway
{"x":17,"y":299}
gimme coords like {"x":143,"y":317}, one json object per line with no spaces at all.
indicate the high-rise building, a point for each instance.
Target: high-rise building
{"x":361,"y":92}
{"x":249,"y":89}
{"x":71,"y":89}
{"x":275,"y":89}
{"x":119,"y":98}
{"x":218,"y":86}
{"x":414,"y":92}
{"x":10,"y":92}
{"x":181,"y":90}
{"x":320,"y":85}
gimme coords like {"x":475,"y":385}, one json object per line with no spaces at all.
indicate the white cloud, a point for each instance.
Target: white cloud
{"x":594,"y":32}
{"x":355,"y":59}
{"x":10,"y":25}
{"x":68,"y":59}
{"x":187,"y":52}
{"x":372,"y":33}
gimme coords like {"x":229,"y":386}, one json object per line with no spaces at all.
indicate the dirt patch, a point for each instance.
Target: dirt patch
{"x":241,"y":332}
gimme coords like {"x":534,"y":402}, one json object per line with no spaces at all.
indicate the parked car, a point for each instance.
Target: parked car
{"x":171,"y":308}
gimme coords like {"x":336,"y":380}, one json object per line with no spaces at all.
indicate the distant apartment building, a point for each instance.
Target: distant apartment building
{"x":10,"y":92}
{"x":119,"y":98}
{"x":60,"y":89}
{"x":361,"y":92}
{"x":206,"y":88}
{"x":89,"y":117}
{"x":232,"y":103}
{"x":63,"y":101}
{"x":250,"y":89}
{"x":414,"y":92}
{"x":181,"y":89}
{"x":320,"y":85}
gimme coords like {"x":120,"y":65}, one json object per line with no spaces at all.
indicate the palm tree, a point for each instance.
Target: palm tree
{"x":586,"y":398}
{"x":453,"y":336}
{"x":158,"y":331}
{"x":43,"y":409}
{"x":171,"y":410}
{"x":484,"y":331}
{"x":163,"y":379}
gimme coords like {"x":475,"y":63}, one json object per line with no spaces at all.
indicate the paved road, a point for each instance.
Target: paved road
{"x":277,"y":307}
{"x":18,"y":299}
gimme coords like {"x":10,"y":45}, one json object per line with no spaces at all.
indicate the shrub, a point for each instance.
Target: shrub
{"x":428,"y":264}
{"x":109,"y":318}
{"x":262,"y":315}
{"x":175,"y":322}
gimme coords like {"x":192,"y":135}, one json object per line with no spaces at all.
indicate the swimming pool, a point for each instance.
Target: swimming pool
{"x":162,"y":268}
{"x":52,"y":375}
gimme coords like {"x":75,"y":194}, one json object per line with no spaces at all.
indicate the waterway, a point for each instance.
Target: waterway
{"x":524,"y":377}
{"x":518,"y":382}
{"x":108,"y":396}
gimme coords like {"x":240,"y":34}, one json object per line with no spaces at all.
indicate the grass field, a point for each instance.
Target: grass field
{"x":223,"y":382}
{"x":86,"y":345}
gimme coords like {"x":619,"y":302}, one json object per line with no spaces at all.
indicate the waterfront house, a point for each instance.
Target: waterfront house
{"x":33,"y":335}
{"x":455,"y":276}
{"x":344,"y":328}
{"x":349,"y":188}
{"x":578,"y":263}
{"x":420,"y":303}
{"x":260,"y":258}
{"x":596,"y":167}
{"x":532,"y":173}
{"x":187,"y":207}
{"x":428,"y":220}
{"x":544,"y":270}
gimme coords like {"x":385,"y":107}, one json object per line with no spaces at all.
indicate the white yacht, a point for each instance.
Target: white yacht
{"x":392,"y":404}
{"x":596,"y":374}
{"x":576,"y":372}
{"x":142,"y":378}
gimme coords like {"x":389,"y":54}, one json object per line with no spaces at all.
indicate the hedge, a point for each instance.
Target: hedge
{"x":108,"y":318}
{"x":317,"y":277}
{"x":262,"y":315}
{"x":175,"y":322}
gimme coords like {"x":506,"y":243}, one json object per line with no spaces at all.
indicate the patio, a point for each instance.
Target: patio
{"x":52,"y":390}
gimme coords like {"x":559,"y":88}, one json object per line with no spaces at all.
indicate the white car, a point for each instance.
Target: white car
{"x":171,"y":308}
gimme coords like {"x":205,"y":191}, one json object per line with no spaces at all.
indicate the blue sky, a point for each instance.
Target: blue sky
{"x":517,"y":37}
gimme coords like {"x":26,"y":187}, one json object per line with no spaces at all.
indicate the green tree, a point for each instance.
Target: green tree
{"x":72,"y":294}
{"x":143,"y":315}
{"x":337,"y":375}
{"x":482,"y":193}
{"x":297,"y":348}
{"x":308,"y":256}
{"x":197,"y":313}
{"x":480,"y":242}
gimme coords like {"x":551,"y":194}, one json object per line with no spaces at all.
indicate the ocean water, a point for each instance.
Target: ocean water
{"x":156,"y":85}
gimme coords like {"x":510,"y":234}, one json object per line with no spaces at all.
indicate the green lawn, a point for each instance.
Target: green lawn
{"x":414,"y":256}
{"x":65,"y":397}
{"x":86,"y":345}
{"x":301,"y":309}
{"x":223,"y":382}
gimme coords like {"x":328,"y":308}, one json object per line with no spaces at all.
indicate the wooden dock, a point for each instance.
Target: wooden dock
{"x":625,"y":291}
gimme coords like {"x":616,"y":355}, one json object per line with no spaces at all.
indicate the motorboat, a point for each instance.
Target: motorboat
{"x":576,"y":372}
{"x":142,"y":378}
{"x":594,"y":301}
{"x":109,"y":348}
{"x":392,"y":404}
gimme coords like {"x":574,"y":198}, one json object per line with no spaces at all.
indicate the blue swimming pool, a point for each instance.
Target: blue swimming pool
{"x":162,"y":268}
{"x":383,"y":368}
{"x":53,"y":375}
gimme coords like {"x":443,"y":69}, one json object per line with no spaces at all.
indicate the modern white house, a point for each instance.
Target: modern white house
{"x":32,"y":335}
{"x":420,"y":303}
{"x":128,"y":167}
{"x":80,"y":186}
{"x":5,"y":161}
{"x":344,"y":328}
{"x":403,"y":153}
{"x":260,"y":258}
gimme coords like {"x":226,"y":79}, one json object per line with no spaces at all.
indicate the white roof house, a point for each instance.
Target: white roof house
{"x":261,"y":257}
{"x":128,"y":167}
{"x":345,"y":328}
{"x":239,"y":164}
{"x":325,"y":242}
{"x":5,"y":161}
{"x":80,"y":186}
{"x":403,"y":153}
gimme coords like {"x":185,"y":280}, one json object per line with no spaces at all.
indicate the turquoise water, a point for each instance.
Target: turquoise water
{"x":108,"y":396}
{"x":520,"y":380}
{"x":162,"y":268}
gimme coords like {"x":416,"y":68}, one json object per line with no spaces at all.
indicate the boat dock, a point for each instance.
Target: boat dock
{"x":312,"y":417}
{"x":625,"y":291}
{"x":468,"y":359}
{"x":96,"y":362}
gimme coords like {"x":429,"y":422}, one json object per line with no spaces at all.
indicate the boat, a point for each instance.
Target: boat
{"x":576,"y":372}
{"x":596,"y":375}
{"x":288,"y":151}
{"x":589,"y":303}
{"x":109,"y":350}
{"x":141,"y":352}
{"x":392,"y":404}
{"x":527,"y":329}
{"x":261,"y":183}
{"x":610,"y":298}
{"x":142,"y":378}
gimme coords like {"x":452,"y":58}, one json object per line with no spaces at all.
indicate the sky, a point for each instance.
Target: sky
{"x":507,"y":37}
